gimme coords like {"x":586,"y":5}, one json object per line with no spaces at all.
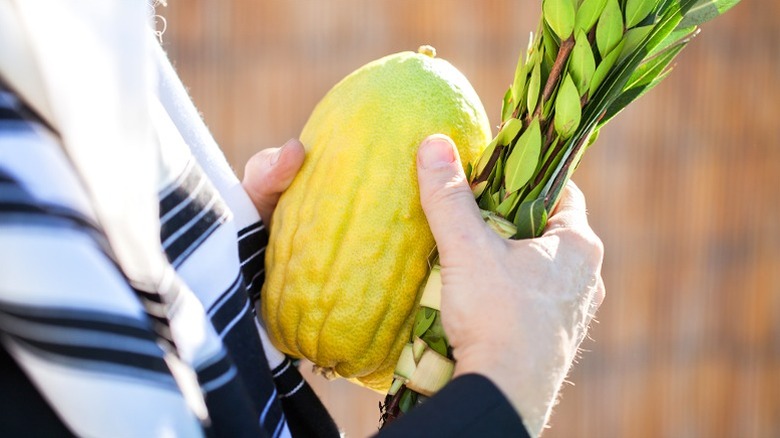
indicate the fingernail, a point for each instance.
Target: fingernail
{"x":436,"y":152}
{"x":275,"y":157}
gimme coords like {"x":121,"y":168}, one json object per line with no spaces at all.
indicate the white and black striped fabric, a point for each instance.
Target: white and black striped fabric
{"x":73,"y":325}
{"x":85,"y":353}
{"x":90,"y":347}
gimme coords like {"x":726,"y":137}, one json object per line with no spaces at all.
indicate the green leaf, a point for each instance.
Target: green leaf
{"x":554,"y":156}
{"x":644,"y":79}
{"x":531,"y":219}
{"x":496,"y":166}
{"x":478,"y":189}
{"x":609,"y":31}
{"x":484,"y":201}
{"x":633,"y":38}
{"x":706,"y":10}
{"x":665,"y":6}
{"x":508,"y":204}
{"x":638,"y":10}
{"x":437,"y":344}
{"x":496,"y":176}
{"x":423,"y":321}
{"x":489,"y":202}
{"x":593,"y":137}
{"x":534,"y":87}
{"x":436,"y":329}
{"x":630,"y":95}
{"x":653,"y":67}
{"x":588,"y":13}
{"x":613,"y":85}
{"x":568,"y":109}
{"x":523,"y":158}
{"x":550,"y":46}
{"x":509,"y":131}
{"x":678,"y":36}
{"x":408,"y":400}
{"x":484,"y":159}
{"x":507,"y":105}
{"x":560,"y":15}
{"x":518,"y":86}
{"x":582,"y":64}
{"x":617,"y":77}
{"x":604,"y":68}
{"x":668,"y":22}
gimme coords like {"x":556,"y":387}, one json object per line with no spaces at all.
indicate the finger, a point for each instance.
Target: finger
{"x":571,"y":211}
{"x":569,"y":227}
{"x":597,"y":295}
{"x":572,"y":198}
{"x":269,"y":172}
{"x":446,"y":198}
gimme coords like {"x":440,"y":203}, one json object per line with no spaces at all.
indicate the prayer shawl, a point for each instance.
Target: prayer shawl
{"x":128,"y":248}
{"x":131,"y":259}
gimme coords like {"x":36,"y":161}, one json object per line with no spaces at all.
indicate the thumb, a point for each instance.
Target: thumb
{"x":446,"y":198}
{"x":269,"y":172}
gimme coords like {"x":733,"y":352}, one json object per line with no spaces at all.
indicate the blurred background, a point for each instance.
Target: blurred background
{"x":682,"y":187}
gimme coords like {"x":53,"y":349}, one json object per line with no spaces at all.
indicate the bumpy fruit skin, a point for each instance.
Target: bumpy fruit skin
{"x":349,"y":245}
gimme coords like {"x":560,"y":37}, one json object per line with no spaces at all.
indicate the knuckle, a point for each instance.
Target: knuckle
{"x":597,"y":246}
{"x":446,"y":198}
{"x":600,"y":293}
{"x":585,"y":242}
{"x":448,"y":193}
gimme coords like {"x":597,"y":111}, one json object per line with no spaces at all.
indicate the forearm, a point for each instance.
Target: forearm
{"x":530,"y":382}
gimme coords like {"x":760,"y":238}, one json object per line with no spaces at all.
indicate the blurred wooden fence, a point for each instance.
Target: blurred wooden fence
{"x":682,"y":187}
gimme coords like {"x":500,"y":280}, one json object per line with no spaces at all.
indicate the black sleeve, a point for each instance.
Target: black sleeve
{"x":23,"y":410}
{"x":469,"y":406}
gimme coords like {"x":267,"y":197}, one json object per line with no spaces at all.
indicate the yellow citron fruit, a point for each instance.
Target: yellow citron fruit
{"x":349,"y":244}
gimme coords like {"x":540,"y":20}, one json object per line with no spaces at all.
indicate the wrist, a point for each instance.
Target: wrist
{"x":530,"y":385}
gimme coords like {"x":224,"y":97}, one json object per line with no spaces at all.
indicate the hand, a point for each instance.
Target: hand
{"x":514,"y":311}
{"x":269,"y":172}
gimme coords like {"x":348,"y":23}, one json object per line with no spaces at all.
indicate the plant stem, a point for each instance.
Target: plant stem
{"x":555,"y":73}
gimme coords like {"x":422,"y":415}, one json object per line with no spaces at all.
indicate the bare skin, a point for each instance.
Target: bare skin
{"x":269,"y":172}
{"x":514,"y":311}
